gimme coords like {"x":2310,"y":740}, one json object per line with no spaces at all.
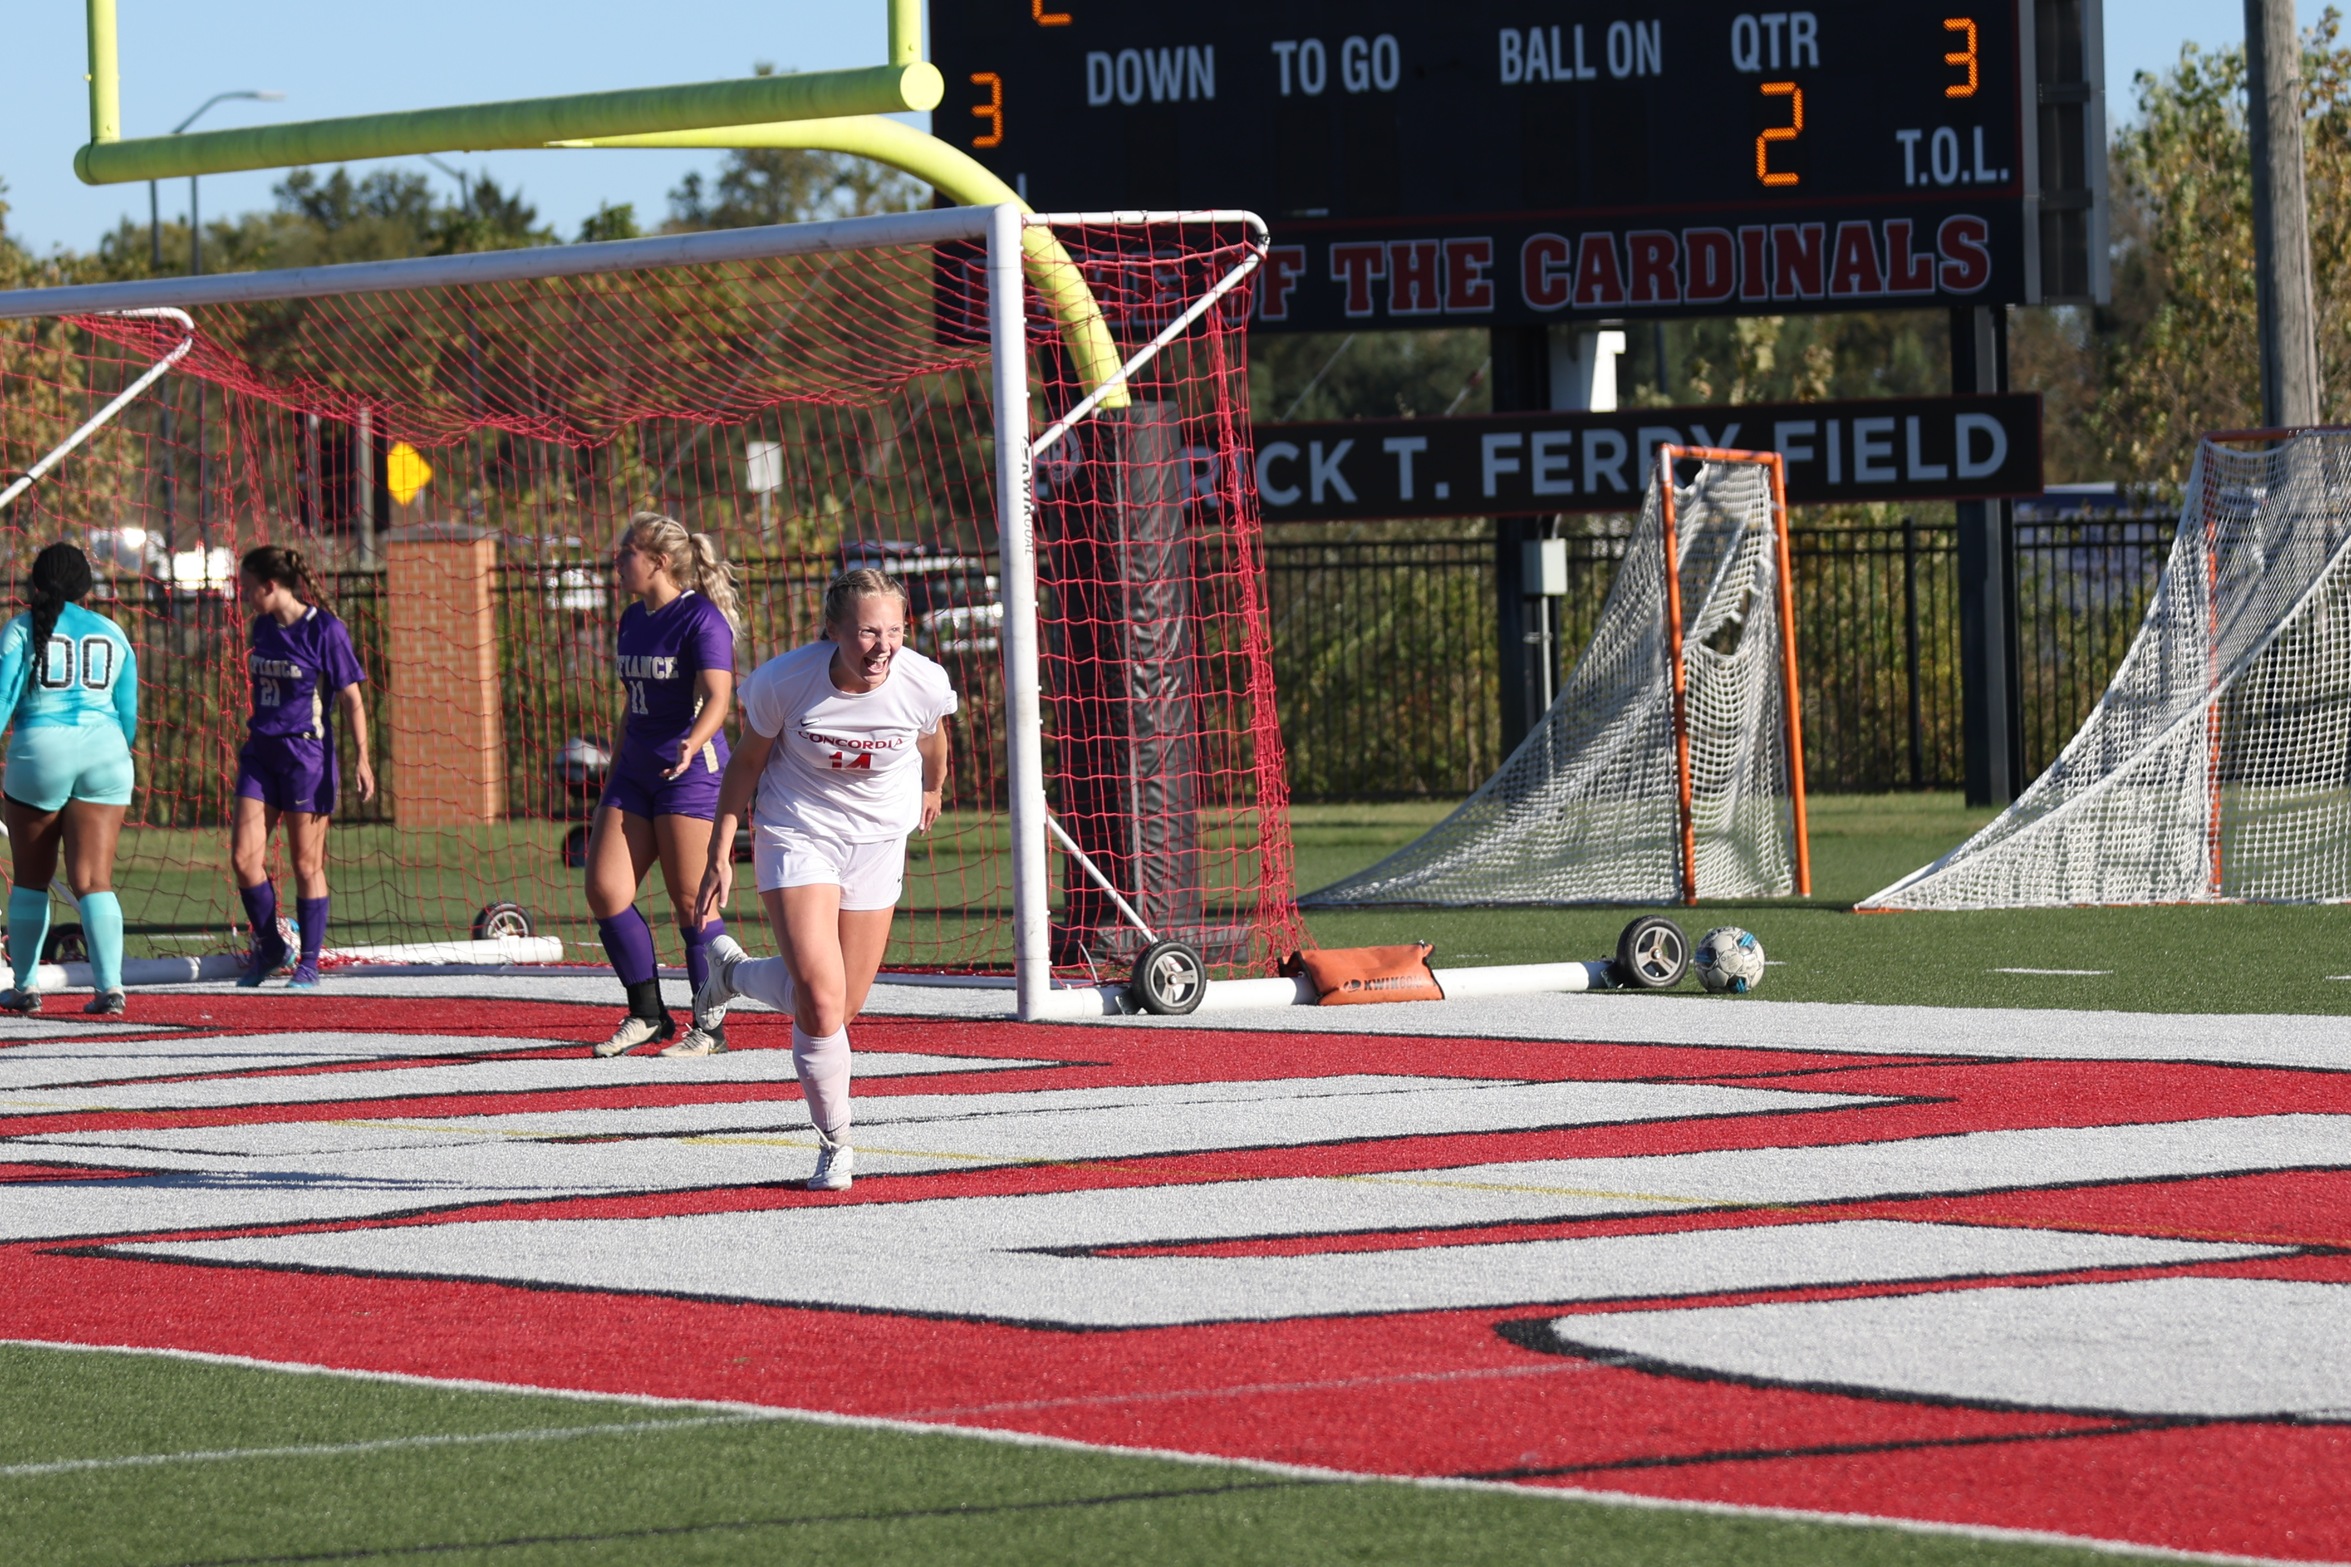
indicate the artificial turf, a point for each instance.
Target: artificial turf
{"x":201,"y":1475}
{"x":2218,"y":958}
{"x":681,"y":1484}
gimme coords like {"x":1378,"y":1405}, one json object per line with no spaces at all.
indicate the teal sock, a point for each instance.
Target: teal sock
{"x":28,"y":928}
{"x":102,"y":932}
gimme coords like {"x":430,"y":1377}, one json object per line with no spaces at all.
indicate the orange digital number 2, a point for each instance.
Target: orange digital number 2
{"x":1047,"y":18}
{"x":1962,"y":57}
{"x":992,"y":111}
{"x":1774,"y":133}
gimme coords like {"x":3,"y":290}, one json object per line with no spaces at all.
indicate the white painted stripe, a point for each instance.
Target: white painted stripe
{"x":932,"y":1131}
{"x":306,"y":1171}
{"x":1969,"y":1162}
{"x":2189,"y":1347}
{"x":62,"y":1065}
{"x":1036,"y":1259}
{"x":391,"y":1444}
{"x":560,"y":1074}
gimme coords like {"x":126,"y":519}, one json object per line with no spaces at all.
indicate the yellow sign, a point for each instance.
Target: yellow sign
{"x":406,"y":472}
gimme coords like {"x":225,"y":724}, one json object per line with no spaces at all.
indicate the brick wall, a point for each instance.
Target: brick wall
{"x":448,"y":743}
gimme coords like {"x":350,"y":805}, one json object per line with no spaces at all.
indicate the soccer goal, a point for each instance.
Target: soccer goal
{"x":1038,"y":423}
{"x":1671,"y":766}
{"x":2217,"y":765}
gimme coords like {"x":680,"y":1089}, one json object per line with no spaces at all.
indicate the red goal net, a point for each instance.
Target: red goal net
{"x":456,"y":455}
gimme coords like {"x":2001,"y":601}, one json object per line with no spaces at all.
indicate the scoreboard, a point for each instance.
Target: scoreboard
{"x":1514,"y":161}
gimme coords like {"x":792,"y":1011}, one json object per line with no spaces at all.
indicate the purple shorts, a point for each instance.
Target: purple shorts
{"x":289,"y":773}
{"x":637,"y":787}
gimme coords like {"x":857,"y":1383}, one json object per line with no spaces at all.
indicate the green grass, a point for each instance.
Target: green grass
{"x":2236,"y":958}
{"x":423,"y":886}
{"x":756,"y":1491}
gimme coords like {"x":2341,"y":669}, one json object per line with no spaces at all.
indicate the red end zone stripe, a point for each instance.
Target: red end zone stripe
{"x":1433,"y":1394}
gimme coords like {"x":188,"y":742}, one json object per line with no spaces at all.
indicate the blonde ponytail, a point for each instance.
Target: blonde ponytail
{"x":714,"y":578}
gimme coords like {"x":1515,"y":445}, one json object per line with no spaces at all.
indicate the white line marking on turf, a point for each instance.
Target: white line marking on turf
{"x":2081,"y":972}
{"x":380,"y":1445}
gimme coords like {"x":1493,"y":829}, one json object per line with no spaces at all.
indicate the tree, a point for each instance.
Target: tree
{"x":759,"y":185}
{"x":2177,"y":355}
{"x":762,"y":185}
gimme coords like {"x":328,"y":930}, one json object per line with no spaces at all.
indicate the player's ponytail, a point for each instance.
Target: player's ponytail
{"x":694,"y":561}
{"x":713,"y":578}
{"x":60,"y":576}
{"x":283,"y":566}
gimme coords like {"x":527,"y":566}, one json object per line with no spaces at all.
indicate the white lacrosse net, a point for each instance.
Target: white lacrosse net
{"x":2217,"y":766}
{"x":1588,"y":809}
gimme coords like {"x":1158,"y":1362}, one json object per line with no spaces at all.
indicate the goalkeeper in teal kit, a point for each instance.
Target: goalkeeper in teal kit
{"x":73,"y":709}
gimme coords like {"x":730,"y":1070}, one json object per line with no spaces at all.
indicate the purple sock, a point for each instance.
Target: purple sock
{"x":628,"y":942}
{"x":698,"y":951}
{"x":312,"y":913}
{"x":261,"y":912}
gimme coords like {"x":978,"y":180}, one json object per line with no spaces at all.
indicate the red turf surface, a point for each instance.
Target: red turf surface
{"x":1425,"y":1393}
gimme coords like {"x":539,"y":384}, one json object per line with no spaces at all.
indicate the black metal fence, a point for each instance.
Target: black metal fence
{"x":1385,"y":657}
{"x":1386,"y":662}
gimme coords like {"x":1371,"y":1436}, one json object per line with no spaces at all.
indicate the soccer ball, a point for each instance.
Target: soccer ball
{"x":1729,"y":961}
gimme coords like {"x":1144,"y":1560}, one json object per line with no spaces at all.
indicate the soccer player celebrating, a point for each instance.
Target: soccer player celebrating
{"x":70,"y":686}
{"x":845,"y":743}
{"x":677,"y":665}
{"x":288,"y":769}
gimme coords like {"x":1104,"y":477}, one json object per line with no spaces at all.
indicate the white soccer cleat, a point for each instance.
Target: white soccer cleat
{"x":836,"y":1164}
{"x":635,"y":1031}
{"x":713,"y":994}
{"x":703,"y":1039}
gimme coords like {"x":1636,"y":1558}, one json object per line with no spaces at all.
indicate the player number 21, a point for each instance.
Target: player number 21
{"x":858,"y":763}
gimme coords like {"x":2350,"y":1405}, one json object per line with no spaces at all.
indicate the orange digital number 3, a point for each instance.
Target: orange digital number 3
{"x":1962,"y":57}
{"x":1776,"y":133}
{"x":992,"y":111}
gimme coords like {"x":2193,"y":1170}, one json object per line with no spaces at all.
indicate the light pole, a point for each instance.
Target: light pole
{"x":195,"y":268}
{"x":154,"y":206}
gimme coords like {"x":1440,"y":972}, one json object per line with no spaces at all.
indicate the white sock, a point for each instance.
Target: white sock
{"x":764,"y":979}
{"x":823,"y":1065}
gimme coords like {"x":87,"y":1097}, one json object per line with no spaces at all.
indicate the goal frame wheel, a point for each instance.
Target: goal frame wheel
{"x":66,"y":943}
{"x":575,"y":847}
{"x":1652,"y":953}
{"x":1169,"y":979}
{"x":502,"y":919}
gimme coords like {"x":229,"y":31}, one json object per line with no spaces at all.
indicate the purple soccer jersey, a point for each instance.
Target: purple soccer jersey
{"x":297,"y":670}
{"x":662,"y":655}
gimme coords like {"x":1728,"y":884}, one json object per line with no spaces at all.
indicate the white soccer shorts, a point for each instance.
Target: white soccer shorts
{"x":870,"y":875}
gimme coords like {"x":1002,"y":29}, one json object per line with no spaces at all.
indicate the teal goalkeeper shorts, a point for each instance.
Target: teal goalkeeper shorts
{"x":50,"y":764}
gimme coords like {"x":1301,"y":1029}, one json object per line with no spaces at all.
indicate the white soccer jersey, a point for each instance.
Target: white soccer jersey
{"x":844,"y":765}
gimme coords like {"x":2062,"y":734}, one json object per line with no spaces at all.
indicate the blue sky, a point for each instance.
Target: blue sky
{"x":426,"y":53}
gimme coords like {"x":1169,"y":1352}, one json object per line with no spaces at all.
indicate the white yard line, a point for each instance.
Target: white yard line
{"x":388,"y":1444}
